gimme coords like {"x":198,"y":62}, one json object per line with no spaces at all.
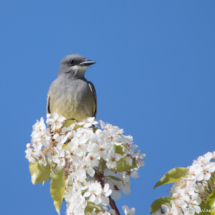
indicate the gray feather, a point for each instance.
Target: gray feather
{"x":71,"y":95}
{"x":92,"y":88}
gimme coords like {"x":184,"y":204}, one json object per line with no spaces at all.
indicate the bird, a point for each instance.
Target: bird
{"x":71,"y":95}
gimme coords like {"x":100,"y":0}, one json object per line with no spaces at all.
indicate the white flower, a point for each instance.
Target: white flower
{"x":204,"y":173}
{"x":40,"y":136}
{"x":105,"y":213}
{"x":128,"y":140}
{"x":78,"y":146}
{"x":134,"y":174}
{"x":125,"y":186}
{"x":139,"y":158}
{"x":88,"y":168}
{"x":68,"y":132}
{"x":213,"y":155}
{"x":128,"y":211}
{"x":124,"y":176}
{"x":79,"y":177}
{"x":208,"y":156}
{"x":113,"y":159}
{"x":94,"y":190}
{"x":93,"y":147}
{"x":40,"y":157}
{"x":84,"y":152}
{"x":192,"y":171}
{"x":112,"y":212}
{"x":29,"y":154}
{"x":187,"y":191}
{"x":39,"y":126}
{"x":194,"y":202}
{"x":76,"y":203}
{"x":101,"y":148}
{"x":55,"y":121}
{"x":116,"y":194}
{"x":176,"y":207}
{"x":93,"y":159}
{"x":167,"y":208}
{"x":129,"y":160}
{"x":103,"y":197}
{"x":115,"y":191}
{"x":114,"y":134}
{"x":203,"y":160}
{"x":88,"y":122}
{"x":158,"y":212}
{"x":59,"y":158}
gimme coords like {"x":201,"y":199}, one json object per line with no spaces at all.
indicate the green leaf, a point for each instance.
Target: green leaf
{"x":57,"y":189}
{"x":115,"y":178}
{"x":172,"y":176}
{"x":91,"y":206}
{"x":156,"y":205}
{"x":211,"y":199}
{"x":210,"y":203}
{"x":119,"y":149}
{"x":68,"y":122}
{"x":39,"y":172}
{"x":123,"y":166}
{"x":205,"y":210}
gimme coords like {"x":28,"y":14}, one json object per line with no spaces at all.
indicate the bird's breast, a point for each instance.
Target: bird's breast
{"x":72,"y":101}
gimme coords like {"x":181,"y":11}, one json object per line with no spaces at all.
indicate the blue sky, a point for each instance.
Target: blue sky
{"x":154,"y":77}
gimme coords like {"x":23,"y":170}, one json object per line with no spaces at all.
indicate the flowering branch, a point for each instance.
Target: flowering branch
{"x":89,"y":163}
{"x":193,"y":191}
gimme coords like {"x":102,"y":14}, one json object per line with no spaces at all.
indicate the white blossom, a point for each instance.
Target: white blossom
{"x":88,"y":122}
{"x":113,"y":159}
{"x":103,"y":197}
{"x":188,"y":191}
{"x":87,"y":154}
{"x":128,"y":211}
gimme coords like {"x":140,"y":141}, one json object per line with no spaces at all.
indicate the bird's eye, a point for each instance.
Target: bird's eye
{"x":72,"y":61}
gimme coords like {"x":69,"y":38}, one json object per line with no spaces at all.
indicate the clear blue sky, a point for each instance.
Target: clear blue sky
{"x":155,"y":78}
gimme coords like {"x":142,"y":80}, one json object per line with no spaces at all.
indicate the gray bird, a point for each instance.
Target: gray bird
{"x":71,"y":95}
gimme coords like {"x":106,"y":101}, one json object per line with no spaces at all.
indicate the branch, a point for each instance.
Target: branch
{"x":112,"y":202}
{"x":113,"y":205}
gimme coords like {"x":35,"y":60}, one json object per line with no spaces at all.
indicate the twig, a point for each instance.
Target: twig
{"x":112,"y":202}
{"x":113,"y":205}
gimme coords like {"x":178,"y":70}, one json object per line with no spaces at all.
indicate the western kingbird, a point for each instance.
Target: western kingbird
{"x":71,"y":95}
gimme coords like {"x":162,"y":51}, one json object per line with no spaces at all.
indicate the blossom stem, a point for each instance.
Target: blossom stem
{"x":113,"y":205}
{"x":112,"y":202}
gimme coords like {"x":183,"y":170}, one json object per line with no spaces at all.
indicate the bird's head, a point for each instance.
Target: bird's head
{"x":74,"y":65}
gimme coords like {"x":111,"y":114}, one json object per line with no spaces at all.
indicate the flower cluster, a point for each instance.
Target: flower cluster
{"x":193,"y":189}
{"x":97,"y":159}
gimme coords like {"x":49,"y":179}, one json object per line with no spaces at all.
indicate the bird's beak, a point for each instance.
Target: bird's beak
{"x":87,"y":63}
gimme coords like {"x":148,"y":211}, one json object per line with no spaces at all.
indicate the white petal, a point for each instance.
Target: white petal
{"x":134,"y":174}
{"x":87,"y":125}
{"x":105,"y":200}
{"x":90,"y":119}
{"x":92,"y":198}
{"x":87,"y":194}
{"x":91,"y":171}
{"x":106,"y":187}
{"x":116,"y":195}
{"x":126,"y":190}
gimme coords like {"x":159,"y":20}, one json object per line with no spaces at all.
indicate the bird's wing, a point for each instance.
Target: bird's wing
{"x":93,"y":90}
{"x":48,"y":101}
